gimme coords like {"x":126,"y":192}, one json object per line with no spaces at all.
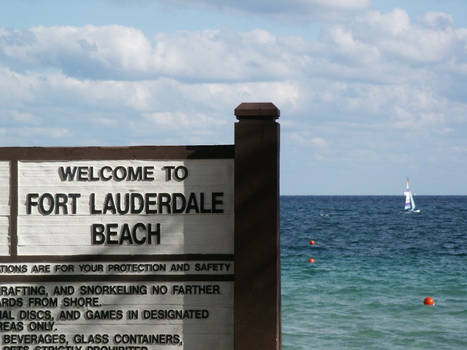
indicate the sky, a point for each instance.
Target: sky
{"x":370,"y":91}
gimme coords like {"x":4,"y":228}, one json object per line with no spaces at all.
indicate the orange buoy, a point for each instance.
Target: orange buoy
{"x":312,"y":242}
{"x":429,"y":301}
{"x":311,"y":260}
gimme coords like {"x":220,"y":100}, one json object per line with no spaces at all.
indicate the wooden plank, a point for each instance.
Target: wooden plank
{"x":257,"y":234}
{"x":196,"y":310}
{"x":156,"y":315}
{"x":4,"y":189}
{"x":98,"y":197}
{"x":187,"y":235}
{"x":68,"y":230}
{"x":105,"y":268}
{"x":4,"y":208}
{"x":4,"y":237}
{"x":123,"y":152}
{"x":201,"y":171}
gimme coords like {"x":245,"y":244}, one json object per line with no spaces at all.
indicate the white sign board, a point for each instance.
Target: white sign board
{"x":125,"y":207}
{"x":4,"y":207}
{"x":100,"y":316}
{"x":118,"y":255}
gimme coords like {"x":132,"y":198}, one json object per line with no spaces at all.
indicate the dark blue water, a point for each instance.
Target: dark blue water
{"x":374,"y":265}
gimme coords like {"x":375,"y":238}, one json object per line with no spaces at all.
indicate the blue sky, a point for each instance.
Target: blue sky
{"x":370,"y":91}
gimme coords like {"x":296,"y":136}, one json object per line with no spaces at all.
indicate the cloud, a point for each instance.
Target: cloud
{"x":122,"y":53}
{"x":88,"y":51}
{"x":306,"y":138}
{"x":115,"y":112}
{"x":438,"y":20}
{"x":398,"y":38}
{"x":388,"y":42}
{"x":303,"y":10}
{"x":30,"y":135}
{"x":19,"y":117}
{"x":380,"y":82}
{"x":180,"y":120}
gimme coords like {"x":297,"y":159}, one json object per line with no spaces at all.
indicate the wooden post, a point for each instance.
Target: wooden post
{"x":257,"y":242}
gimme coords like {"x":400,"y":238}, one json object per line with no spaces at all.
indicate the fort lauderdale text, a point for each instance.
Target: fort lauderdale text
{"x":127,"y":203}
{"x":130,"y":203}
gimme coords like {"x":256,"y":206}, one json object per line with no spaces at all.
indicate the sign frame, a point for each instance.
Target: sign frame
{"x":257,"y":293}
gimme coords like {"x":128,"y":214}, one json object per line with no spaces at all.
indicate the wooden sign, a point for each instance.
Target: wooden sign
{"x":147,"y":247}
{"x":4,"y":206}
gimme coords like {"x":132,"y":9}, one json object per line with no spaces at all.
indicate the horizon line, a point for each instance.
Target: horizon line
{"x":371,"y":195}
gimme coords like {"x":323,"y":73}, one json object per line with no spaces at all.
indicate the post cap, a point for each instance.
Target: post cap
{"x":257,"y":110}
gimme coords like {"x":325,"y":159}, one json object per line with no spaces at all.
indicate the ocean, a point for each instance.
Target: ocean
{"x":374,"y":265}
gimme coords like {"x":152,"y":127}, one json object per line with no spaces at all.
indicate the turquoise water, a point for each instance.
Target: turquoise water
{"x":374,"y":266}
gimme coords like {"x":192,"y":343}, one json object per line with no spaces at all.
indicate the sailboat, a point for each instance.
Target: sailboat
{"x":409,"y":201}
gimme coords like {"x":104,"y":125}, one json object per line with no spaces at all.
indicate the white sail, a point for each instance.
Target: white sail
{"x":409,"y":201}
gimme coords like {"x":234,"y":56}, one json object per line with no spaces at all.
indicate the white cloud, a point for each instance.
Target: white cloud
{"x":397,"y":37}
{"x":29,"y":135}
{"x":116,"y":52}
{"x":396,"y":22}
{"x":80,"y":51}
{"x":438,"y":20}
{"x":180,"y":120}
{"x":144,"y":111}
{"x":343,"y":43}
{"x":379,"y":83}
{"x":375,"y":46}
{"x":372,"y":89}
{"x":20,"y":117}
{"x":283,"y":10}
{"x":306,"y":138}
{"x":50,"y":132}
{"x":15,"y":87}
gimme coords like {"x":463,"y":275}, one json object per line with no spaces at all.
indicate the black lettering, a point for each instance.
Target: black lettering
{"x":178,"y":198}
{"x":74,"y":197}
{"x":60,"y":202}
{"x":126,"y":235}
{"x":111,"y":232}
{"x":150,"y":199}
{"x":83,"y":173}
{"x":109,"y":204}
{"x":64,"y":290}
{"x":192,"y":204}
{"x":122,"y":171}
{"x":106,"y":169}
{"x":217,"y":200}
{"x":164,"y":202}
{"x":168,"y":172}
{"x":97,"y":234}
{"x":119,"y":173}
{"x":50,"y":199}
{"x":148,"y":173}
{"x":66,"y":315}
{"x":135,"y":231}
{"x":137,"y":197}
{"x":92,"y":175}
{"x":124,"y":210}
{"x":135,"y":174}
{"x":92,"y":204}
{"x":180,"y":173}
{"x":202,"y":204}
{"x":154,"y":232}
{"x":67,"y":174}
{"x":30,"y":203}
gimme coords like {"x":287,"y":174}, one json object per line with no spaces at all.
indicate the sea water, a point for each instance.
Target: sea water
{"x":374,"y":265}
